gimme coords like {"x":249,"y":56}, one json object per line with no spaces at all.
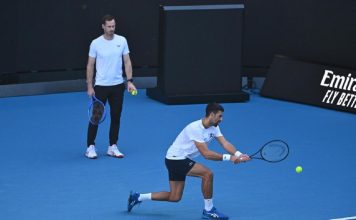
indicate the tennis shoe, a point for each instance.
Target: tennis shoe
{"x":91,"y":152}
{"x":132,"y":201}
{"x":113,"y":151}
{"x":214,"y":214}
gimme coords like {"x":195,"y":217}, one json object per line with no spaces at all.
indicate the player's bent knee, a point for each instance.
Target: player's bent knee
{"x":209,"y":175}
{"x":175,"y":199}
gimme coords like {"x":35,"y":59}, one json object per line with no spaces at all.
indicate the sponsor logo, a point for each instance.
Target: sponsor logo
{"x":209,"y":138}
{"x":341,"y":89}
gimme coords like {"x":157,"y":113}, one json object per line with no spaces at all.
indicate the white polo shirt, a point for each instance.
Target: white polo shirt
{"x":184,"y":147}
{"x":108,"y":54}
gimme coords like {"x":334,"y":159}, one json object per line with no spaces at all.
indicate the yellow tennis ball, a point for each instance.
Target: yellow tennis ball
{"x":134,"y":92}
{"x":298,"y":169}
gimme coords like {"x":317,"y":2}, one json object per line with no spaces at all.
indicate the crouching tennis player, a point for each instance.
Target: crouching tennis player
{"x":191,"y":141}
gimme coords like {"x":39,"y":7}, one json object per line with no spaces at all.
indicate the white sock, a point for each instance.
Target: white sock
{"x":145,"y":196}
{"x":208,"y":204}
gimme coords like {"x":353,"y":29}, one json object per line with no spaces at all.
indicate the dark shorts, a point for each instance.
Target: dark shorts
{"x":178,"y":169}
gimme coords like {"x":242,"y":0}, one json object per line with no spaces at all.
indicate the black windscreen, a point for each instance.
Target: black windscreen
{"x":200,"y":49}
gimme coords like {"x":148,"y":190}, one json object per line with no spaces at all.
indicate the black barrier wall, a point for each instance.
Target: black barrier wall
{"x":200,"y":59}
{"x":48,"y":36}
{"x":319,"y":31}
{"x":311,"y":83}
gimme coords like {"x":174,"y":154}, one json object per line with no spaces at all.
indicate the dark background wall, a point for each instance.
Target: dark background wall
{"x":321,"y":31}
{"x":47,"y":40}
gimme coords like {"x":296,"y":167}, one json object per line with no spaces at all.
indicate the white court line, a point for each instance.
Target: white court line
{"x":345,"y":218}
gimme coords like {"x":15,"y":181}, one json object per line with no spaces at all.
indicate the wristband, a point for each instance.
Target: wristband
{"x":238,"y":153}
{"x":226,"y":157}
{"x":129,"y":80}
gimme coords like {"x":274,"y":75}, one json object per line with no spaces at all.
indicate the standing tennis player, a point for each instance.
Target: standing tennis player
{"x":107,"y":53}
{"x":192,"y":141}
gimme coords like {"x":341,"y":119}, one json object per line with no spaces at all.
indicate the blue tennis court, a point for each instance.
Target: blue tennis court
{"x":44,"y":174}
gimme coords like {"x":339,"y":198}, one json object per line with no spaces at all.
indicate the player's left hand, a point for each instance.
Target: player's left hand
{"x":130,"y":87}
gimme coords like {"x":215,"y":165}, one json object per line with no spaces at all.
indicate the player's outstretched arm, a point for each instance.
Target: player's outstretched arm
{"x":207,"y":153}
{"x":226,"y":145}
{"x":212,"y":155}
{"x":232,"y":150}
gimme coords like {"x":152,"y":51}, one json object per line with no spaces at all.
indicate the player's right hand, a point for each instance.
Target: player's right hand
{"x":244,"y":158}
{"x":241,"y":158}
{"x":234,"y":159}
{"x":91,"y":92}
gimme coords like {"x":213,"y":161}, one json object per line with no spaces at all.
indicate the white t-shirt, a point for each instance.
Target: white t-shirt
{"x":184,"y":147}
{"x":108,"y":54}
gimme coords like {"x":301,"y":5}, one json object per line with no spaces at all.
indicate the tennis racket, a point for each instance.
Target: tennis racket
{"x":96,"y":111}
{"x":273,"y":151}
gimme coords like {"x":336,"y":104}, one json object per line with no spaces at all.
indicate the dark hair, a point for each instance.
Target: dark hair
{"x":213,"y":107}
{"x":107,"y":18}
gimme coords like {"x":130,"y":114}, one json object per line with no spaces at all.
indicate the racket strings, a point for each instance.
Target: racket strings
{"x":97,"y":111}
{"x":275,"y":152}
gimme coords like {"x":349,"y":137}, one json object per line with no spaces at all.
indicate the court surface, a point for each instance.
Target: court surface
{"x":44,"y":174}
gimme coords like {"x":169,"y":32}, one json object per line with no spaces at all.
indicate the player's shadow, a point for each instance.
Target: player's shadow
{"x":150,"y":215}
